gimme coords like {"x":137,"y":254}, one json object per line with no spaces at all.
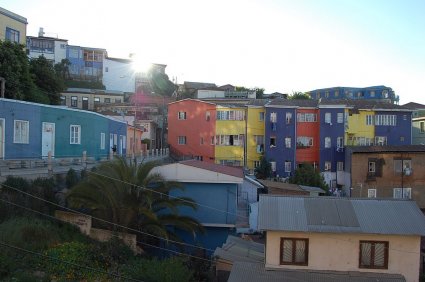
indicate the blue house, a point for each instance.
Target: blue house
{"x":380,"y":92}
{"x":30,"y":130}
{"x":215,"y":189}
{"x":86,"y":63}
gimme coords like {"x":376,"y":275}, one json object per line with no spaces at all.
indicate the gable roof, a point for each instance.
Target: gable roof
{"x":414,"y":106}
{"x":199,"y":85}
{"x":253,"y":272}
{"x":340,"y":215}
{"x":238,"y":249}
{"x":228,"y":170}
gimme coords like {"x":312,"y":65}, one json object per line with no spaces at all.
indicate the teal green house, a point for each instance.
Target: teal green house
{"x":31,"y":130}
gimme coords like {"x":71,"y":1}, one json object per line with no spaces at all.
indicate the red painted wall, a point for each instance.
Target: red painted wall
{"x":309,"y":129}
{"x":193,"y":127}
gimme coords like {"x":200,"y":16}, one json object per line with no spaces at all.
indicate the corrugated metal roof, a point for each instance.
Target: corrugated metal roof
{"x":254,"y":272}
{"x":340,"y":215}
{"x":228,"y":170}
{"x":385,"y":149}
{"x":238,"y":249}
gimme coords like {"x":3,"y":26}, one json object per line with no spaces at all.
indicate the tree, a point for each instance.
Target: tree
{"x":62,"y":69}
{"x":161,"y":84}
{"x":307,"y":175}
{"x":15,"y":69}
{"x":299,"y":96}
{"x":132,"y":196}
{"x":259,"y":91}
{"x":264,"y":170}
{"x":46,"y":79}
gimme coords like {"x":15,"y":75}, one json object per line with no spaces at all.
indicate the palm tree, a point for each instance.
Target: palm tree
{"x":130,"y":195}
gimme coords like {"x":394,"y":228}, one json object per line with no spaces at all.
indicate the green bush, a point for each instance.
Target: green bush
{"x":167,"y":270}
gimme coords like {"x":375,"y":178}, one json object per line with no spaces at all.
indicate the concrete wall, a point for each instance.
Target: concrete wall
{"x":340,"y":252}
{"x":118,"y":76}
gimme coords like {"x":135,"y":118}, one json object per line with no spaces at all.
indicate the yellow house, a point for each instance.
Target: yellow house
{"x":230,"y":135}
{"x":360,"y":129}
{"x":13,"y":27}
{"x":255,"y":135}
{"x":373,"y":238}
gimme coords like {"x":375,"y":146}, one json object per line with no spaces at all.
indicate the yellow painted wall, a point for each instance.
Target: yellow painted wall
{"x":255,"y":126}
{"x":230,"y":127}
{"x":340,"y":252}
{"x":357,"y":126}
{"x":6,"y":21}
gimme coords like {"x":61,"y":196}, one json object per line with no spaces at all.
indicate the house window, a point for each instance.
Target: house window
{"x":380,"y":140}
{"x":288,"y":118}
{"x":327,"y":94}
{"x":107,"y":100}
{"x":273,"y":117}
{"x":327,"y":142}
{"x":21,"y":132}
{"x":288,"y":166}
{"x":12,"y":35}
{"x":328,"y":166}
{"x":340,"y":166}
{"x":328,"y":118}
{"x":372,"y":167}
{"x":273,"y":166}
{"x":407,"y":166}
{"x":422,"y":127}
{"x":406,"y":192}
{"x":102,"y":141}
{"x":272,"y":142}
{"x":201,"y":141}
{"x":207,"y":115}
{"x":182,"y":140}
{"x":369,"y":119}
{"x":96,"y":100}
{"x":340,"y":118}
{"x":294,"y":251}
{"x":63,"y":101}
{"x":259,"y":143}
{"x":303,"y":141}
{"x":261,"y":116}
{"x":372,"y":94}
{"x":75,"y":134}
{"x":371,"y":193}
{"x":74,"y":101}
{"x":336,"y":94}
{"x":340,"y":142}
{"x":373,"y":254}
{"x":306,"y":117}
{"x":256,"y":164}
{"x":212,"y":140}
{"x":288,"y":142}
{"x":181,"y":115}
{"x":117,"y":100}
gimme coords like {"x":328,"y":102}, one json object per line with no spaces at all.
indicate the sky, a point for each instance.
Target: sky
{"x":282,"y":46}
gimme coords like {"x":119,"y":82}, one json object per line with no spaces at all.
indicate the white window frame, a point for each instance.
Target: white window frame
{"x":181,"y":115}
{"x":181,"y":140}
{"x":328,"y":142}
{"x":340,"y":142}
{"x":75,"y":134}
{"x":340,"y":166}
{"x":340,"y":118}
{"x":371,"y":168}
{"x":371,"y":193}
{"x":261,"y":116}
{"x":273,"y":117}
{"x":288,"y":142}
{"x":102,"y":141}
{"x":305,"y":141}
{"x":407,"y":193}
{"x":328,"y":166}
{"x":328,"y":118}
{"x":22,"y":133}
{"x":288,"y":117}
{"x":207,"y":115}
{"x":422,"y":126}
{"x":288,"y":166}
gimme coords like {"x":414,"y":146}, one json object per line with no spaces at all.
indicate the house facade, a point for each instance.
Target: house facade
{"x":53,"y":49}
{"x":367,"y":236}
{"x":86,"y":63}
{"x":30,"y":130}
{"x":13,"y":27}
{"x":418,"y":131}
{"x":380,"y":92}
{"x":387,"y":172}
{"x":90,"y":99}
{"x":215,"y":189}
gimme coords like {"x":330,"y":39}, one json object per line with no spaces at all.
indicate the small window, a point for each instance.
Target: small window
{"x":272,"y":142}
{"x":201,"y":141}
{"x":256,"y":164}
{"x":74,"y":101}
{"x":288,"y":118}
{"x":371,"y":193}
{"x":288,"y":142}
{"x":407,"y":166}
{"x":212,"y":140}
{"x":336,"y":93}
{"x":207,"y":115}
{"x":372,"y":167}
{"x":261,"y":116}
{"x":293,"y":251}
{"x":422,"y":127}
{"x":12,"y":35}
{"x":21,"y":132}
{"x":328,"y":166}
{"x":373,"y":254}
{"x":96,"y":100}
{"x":340,"y":142}
{"x":340,"y":166}
{"x":182,"y":140}
{"x":288,"y":166}
{"x":402,"y":193}
{"x":340,"y":118}
{"x":273,"y":117}
{"x":328,"y":142}
{"x":107,"y":100}
{"x":328,"y":118}
{"x":75,"y":134}
{"x":102,"y":141}
{"x":181,"y":115}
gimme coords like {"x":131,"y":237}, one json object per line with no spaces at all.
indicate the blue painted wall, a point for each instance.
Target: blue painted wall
{"x":280,"y":130}
{"x":92,"y":125}
{"x":403,"y":128}
{"x":355,"y":93}
{"x":333,"y":130}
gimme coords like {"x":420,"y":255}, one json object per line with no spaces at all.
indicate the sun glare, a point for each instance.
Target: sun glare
{"x":139,"y":64}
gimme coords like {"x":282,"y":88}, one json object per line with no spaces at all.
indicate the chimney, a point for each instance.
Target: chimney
{"x":41,"y":32}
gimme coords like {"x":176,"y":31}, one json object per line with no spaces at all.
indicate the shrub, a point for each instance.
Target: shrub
{"x":71,"y":178}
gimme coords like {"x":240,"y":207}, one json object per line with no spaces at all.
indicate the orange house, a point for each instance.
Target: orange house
{"x":308,"y":142}
{"x":191,"y":129}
